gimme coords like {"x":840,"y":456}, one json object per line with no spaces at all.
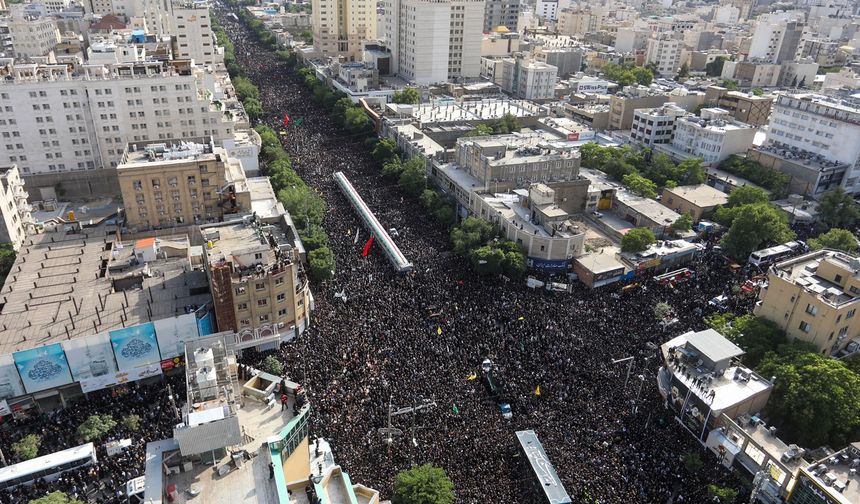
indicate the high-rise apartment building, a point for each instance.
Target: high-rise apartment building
{"x":15,"y":217}
{"x":502,"y":13}
{"x":33,"y":36}
{"x":778,"y":37}
{"x":180,"y":182}
{"x":57,"y":119}
{"x":156,"y":15}
{"x":434,"y":40}
{"x":664,"y":51}
{"x":195,"y":39}
{"x":340,"y":26}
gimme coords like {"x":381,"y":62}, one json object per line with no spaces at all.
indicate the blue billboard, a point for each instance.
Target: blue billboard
{"x":135,"y":346}
{"x":43,"y":367}
{"x":553,"y":265}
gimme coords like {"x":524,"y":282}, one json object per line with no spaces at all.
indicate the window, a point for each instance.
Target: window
{"x":243,"y":306}
{"x":850,"y":313}
{"x":240,"y":290}
{"x":245,"y":322}
{"x":282,"y":312}
{"x":263,"y":302}
{"x":838,"y":279}
{"x":281,"y":297}
{"x":260,"y":286}
{"x":811,"y":309}
{"x":279,"y":280}
{"x":805,"y":327}
{"x":264,"y":318}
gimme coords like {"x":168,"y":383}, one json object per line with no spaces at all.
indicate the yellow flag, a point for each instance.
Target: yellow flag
{"x":537,"y":390}
{"x":521,"y":318}
{"x":439,"y":330}
{"x":472,"y":376}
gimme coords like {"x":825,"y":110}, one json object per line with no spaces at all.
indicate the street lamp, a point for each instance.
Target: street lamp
{"x":629,"y":361}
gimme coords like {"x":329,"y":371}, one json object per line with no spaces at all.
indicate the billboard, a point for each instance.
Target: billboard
{"x":10,"y":382}
{"x":135,"y":346}
{"x":90,"y":357}
{"x":43,"y":367}
{"x":172,"y":333}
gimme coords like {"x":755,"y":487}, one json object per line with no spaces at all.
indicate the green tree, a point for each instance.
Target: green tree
{"x":837,"y":239}
{"x":356,"y":120}
{"x":413,"y":179}
{"x":131,"y":422}
{"x":637,"y":184}
{"x":27,"y":447}
{"x":731,"y":85}
{"x":305,"y":206}
{"x":684,"y":222}
{"x":426,"y":484}
{"x":393,"y":168}
{"x":480,"y":130}
{"x":837,"y":209}
{"x":95,"y":427}
{"x":774,"y":181}
{"x":408,"y":95}
{"x":470,"y":234}
{"x":753,"y":225}
{"x":691,"y":171}
{"x":637,"y":240}
{"x":56,"y":498}
{"x":683,"y":72}
{"x":757,"y":91}
{"x":385,"y":149}
{"x":245,"y":89}
{"x":693,"y":462}
{"x":662,"y":310}
{"x":313,"y":237}
{"x":487,"y":260}
{"x":321,"y":263}
{"x":507,"y":124}
{"x":617,"y":169}
{"x":7,"y":259}
{"x":715,"y":68}
{"x":724,"y":495}
{"x":338,"y":110}
{"x":253,"y":108}
{"x":747,"y":195}
{"x":272,"y":365}
{"x":515,"y":264}
{"x":815,"y":399}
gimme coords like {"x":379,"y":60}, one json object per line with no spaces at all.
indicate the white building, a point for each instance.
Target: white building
{"x":655,"y":125}
{"x":845,"y":78}
{"x":434,"y":41}
{"x":664,"y":51}
{"x":778,"y":37}
{"x":15,"y":218}
{"x":56,"y":5}
{"x":547,"y":9}
{"x":195,"y":39}
{"x":525,"y":78}
{"x":155,"y":15}
{"x":340,"y":26}
{"x":33,"y":37}
{"x":819,"y":125}
{"x":713,"y":137}
{"x":55,"y":119}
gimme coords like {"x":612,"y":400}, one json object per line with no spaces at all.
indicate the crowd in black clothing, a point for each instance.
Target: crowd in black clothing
{"x":105,"y":481}
{"x":416,"y":336}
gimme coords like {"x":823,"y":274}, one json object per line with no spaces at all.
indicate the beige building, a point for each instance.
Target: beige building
{"x":340,"y":26}
{"x":178,"y":182}
{"x":814,"y":298}
{"x":622,"y":105}
{"x":15,"y":217}
{"x":258,"y":284}
{"x":747,"y":108}
{"x":697,"y":200}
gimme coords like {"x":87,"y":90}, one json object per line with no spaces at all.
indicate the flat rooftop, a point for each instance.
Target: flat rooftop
{"x":231,"y":240}
{"x":477,"y":110}
{"x":701,"y":195}
{"x":727,"y":391}
{"x":802,"y":270}
{"x":648,"y":207}
{"x":61,"y":287}
{"x":838,"y":467}
{"x":180,"y":151}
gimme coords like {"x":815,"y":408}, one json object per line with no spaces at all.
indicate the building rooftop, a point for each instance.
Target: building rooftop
{"x":701,"y":195}
{"x":802,"y":271}
{"x":834,"y":473}
{"x":735,"y":385}
{"x":649,"y":208}
{"x":509,"y":208}
{"x":75,"y":282}
{"x":181,"y":151}
{"x":713,"y":345}
{"x":478,"y":110}
{"x":522,"y":148}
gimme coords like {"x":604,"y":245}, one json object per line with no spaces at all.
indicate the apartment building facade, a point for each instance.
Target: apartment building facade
{"x":33,"y":37}
{"x":501,"y":13}
{"x":194,"y":37}
{"x":814,"y":298}
{"x":713,"y":137}
{"x":340,"y":26}
{"x":15,"y":213}
{"x":623,"y":104}
{"x":664,"y":51}
{"x":434,"y":41}
{"x":53,"y":120}
{"x":656,"y":125}
{"x":747,"y":108}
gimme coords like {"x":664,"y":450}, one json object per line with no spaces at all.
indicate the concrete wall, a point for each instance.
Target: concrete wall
{"x":74,"y":185}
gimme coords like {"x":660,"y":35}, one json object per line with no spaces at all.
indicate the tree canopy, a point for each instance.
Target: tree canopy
{"x":56,"y":498}
{"x":626,"y":75}
{"x":637,"y":240}
{"x":774,"y":181}
{"x":715,"y":68}
{"x":683,"y":223}
{"x":837,"y":239}
{"x":426,"y":484}
{"x":837,"y":209}
{"x":408,"y":95}
{"x":637,"y":184}
{"x":815,"y":399}
{"x":756,"y":336}
{"x":413,"y":178}
{"x":27,"y":447}
{"x":753,"y":225}
{"x":746,"y":195}
{"x":95,"y":427}
{"x":321,"y":263}
{"x":471,"y":233}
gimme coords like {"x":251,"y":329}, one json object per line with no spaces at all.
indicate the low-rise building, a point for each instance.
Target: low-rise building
{"x":814,"y":298}
{"x":713,"y":137}
{"x":525,"y":78}
{"x":644,"y":212}
{"x":746,"y":108}
{"x":752,"y":73}
{"x":655,"y":125}
{"x":259,"y":286}
{"x":704,"y":383}
{"x":697,"y":200}
{"x":831,"y":480}
{"x":16,"y":220}
{"x":624,"y":103}
{"x":180,"y":182}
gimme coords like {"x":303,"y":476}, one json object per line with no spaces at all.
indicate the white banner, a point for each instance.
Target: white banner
{"x":133,"y":374}
{"x":4,"y":408}
{"x":98,"y":383}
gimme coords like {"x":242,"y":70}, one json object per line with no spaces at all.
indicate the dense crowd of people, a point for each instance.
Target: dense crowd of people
{"x":407,"y":338}
{"x":104,"y":481}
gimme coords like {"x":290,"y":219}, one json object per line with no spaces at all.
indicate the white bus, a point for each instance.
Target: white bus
{"x":47,"y":467}
{"x":768,"y":256}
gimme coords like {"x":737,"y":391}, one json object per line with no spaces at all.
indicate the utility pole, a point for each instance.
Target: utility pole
{"x":629,"y":361}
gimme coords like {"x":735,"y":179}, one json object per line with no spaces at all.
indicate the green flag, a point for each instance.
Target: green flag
{"x":299,"y":121}
{"x":455,"y":409}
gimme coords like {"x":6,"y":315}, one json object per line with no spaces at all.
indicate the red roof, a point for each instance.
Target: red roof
{"x":108,"y":22}
{"x":145,"y":242}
